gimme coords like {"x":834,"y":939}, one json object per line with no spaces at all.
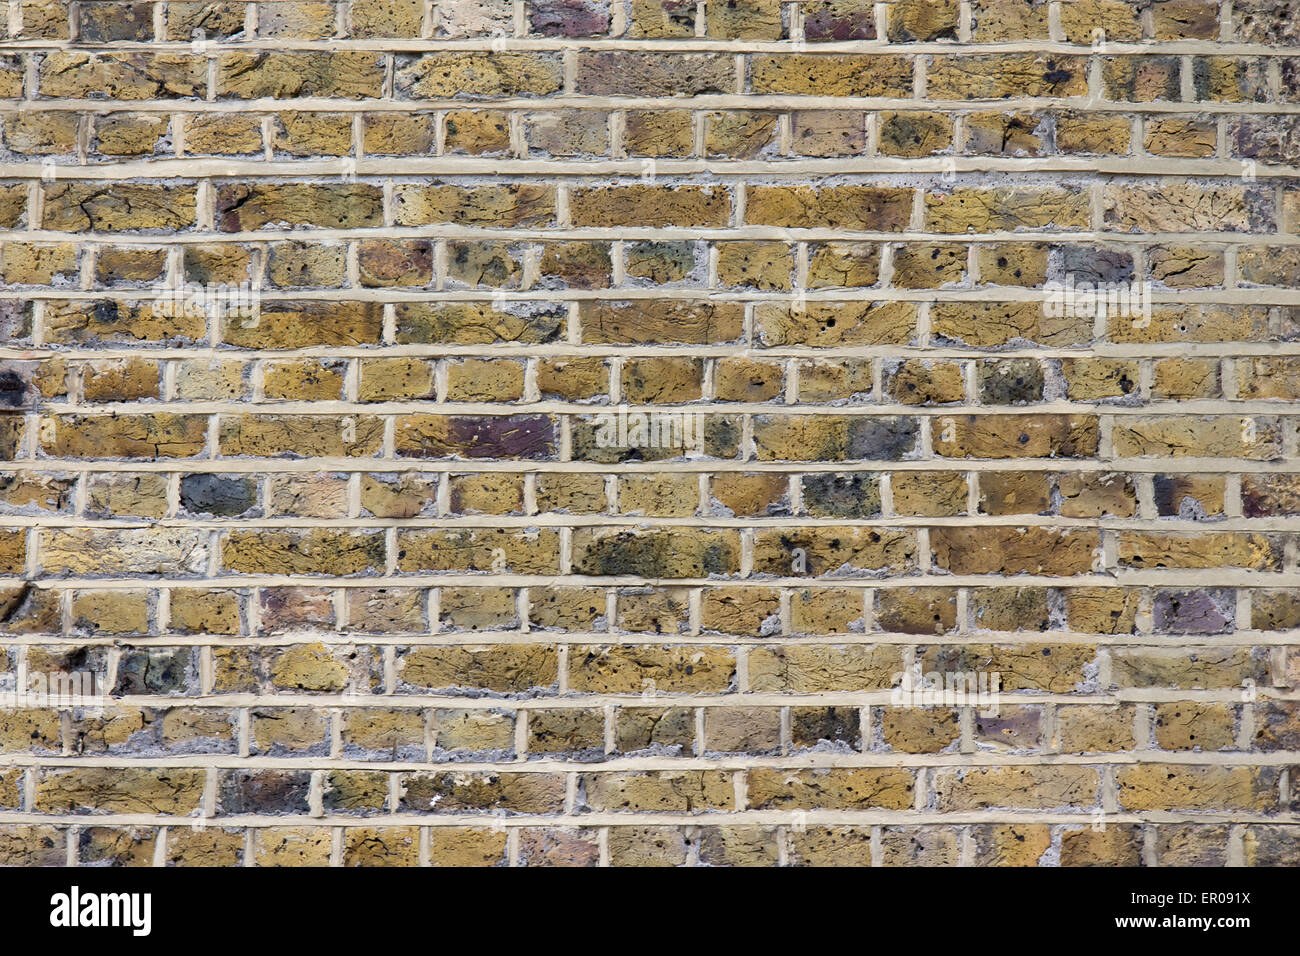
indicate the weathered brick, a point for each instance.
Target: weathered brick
{"x":282,"y":74}
{"x":579,"y":217}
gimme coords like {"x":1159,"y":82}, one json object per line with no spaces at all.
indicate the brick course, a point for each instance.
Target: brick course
{"x":613,"y":401}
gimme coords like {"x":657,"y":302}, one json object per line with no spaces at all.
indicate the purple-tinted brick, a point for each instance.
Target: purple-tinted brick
{"x":264,"y":791}
{"x":836,"y":20}
{"x":1272,"y":139}
{"x":1277,"y":725}
{"x":568,"y":18}
{"x":1016,"y":728}
{"x":1209,"y":611}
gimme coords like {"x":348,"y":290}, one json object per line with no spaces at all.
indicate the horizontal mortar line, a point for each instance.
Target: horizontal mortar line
{"x":575,"y":350}
{"x":1182,"y":577}
{"x":606,"y":44}
{"x":587,"y":702}
{"x":776,"y":233}
{"x":881,"y":172}
{"x":572,"y":351}
{"x":727,"y":465}
{"x":627,"y":101}
{"x":838,"y":761}
{"x":1190,"y":407}
{"x":860,"y":171}
{"x":204,"y":167}
{"x":800,"y":819}
{"x":1261,"y":295}
{"x":722,"y":699}
{"x":1282,"y":637}
{"x":1172,"y":525}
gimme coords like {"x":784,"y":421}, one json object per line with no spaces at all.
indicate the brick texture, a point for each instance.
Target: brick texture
{"x":559,"y":432}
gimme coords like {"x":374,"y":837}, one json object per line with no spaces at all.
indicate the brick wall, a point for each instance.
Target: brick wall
{"x":569,"y":432}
